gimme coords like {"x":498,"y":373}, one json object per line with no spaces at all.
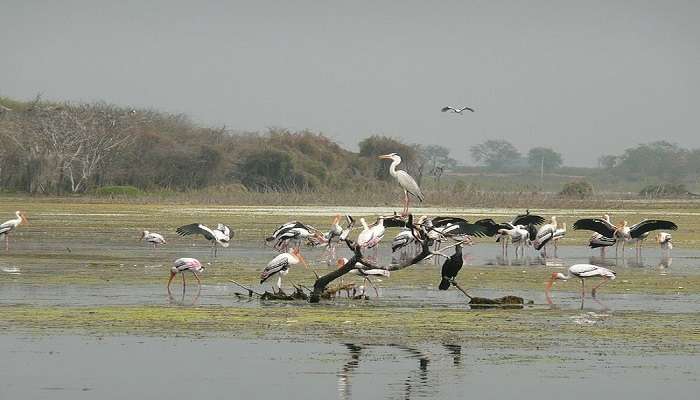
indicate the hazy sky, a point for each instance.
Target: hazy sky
{"x":584,"y":77}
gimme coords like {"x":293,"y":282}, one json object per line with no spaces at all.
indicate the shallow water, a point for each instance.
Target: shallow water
{"x":118,"y":367}
{"x":23,"y":274}
{"x":100,"y":262}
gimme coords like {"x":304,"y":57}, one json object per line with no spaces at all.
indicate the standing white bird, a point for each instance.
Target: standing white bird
{"x":183,"y":265}
{"x":406,"y":181}
{"x":364,"y":273}
{"x":332,"y":237}
{"x":371,"y":235}
{"x":153,"y":238}
{"x":280,"y":266}
{"x":582,"y":271}
{"x":545,"y":235}
{"x":221,"y":235}
{"x":518,"y":235}
{"x":456,"y":110}
{"x":557,"y":235}
{"x":10,"y":225}
{"x":665,"y":240}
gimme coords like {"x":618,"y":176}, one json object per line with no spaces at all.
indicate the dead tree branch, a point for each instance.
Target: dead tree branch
{"x":323,"y":281}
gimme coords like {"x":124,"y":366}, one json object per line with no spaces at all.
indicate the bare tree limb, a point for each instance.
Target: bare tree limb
{"x":323,"y":281}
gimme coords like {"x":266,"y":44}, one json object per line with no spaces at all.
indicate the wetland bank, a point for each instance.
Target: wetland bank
{"x":77,"y":285}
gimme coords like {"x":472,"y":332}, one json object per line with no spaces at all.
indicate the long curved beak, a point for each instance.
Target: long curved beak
{"x":385,"y":156}
{"x":25,"y":219}
{"x":301,"y":258}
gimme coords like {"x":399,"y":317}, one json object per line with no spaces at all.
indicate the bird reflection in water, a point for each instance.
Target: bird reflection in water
{"x":344,"y":386}
{"x":182,"y":301}
{"x":416,"y":385}
{"x":665,"y":262}
{"x":456,"y":351}
{"x":554,"y":306}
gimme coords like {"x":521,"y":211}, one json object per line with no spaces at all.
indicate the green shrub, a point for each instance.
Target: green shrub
{"x":577,"y":189}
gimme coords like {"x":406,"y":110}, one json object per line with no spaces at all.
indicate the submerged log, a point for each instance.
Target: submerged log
{"x":298,"y":294}
{"x":502,"y":302}
{"x":508,"y":301}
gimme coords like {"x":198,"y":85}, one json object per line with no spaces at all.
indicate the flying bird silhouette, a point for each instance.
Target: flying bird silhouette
{"x":456,"y":110}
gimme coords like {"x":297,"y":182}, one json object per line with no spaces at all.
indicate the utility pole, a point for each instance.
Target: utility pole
{"x":542,"y":172}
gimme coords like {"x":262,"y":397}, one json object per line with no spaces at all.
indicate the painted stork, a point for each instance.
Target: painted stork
{"x":544,"y":235}
{"x":221,"y":235}
{"x":280,"y":266}
{"x":519,"y":235}
{"x":371,"y":235}
{"x":599,"y":241}
{"x":623,"y":233}
{"x":583,"y":272}
{"x":332,"y":237}
{"x":451,"y":267}
{"x":153,"y":238}
{"x":292,"y":232}
{"x":406,"y":181}
{"x":183,"y":265}
{"x":455,"y":228}
{"x":456,"y":110}
{"x":525,"y":221}
{"x":10,"y":225}
{"x":665,"y":240}
{"x":365,"y":273}
{"x":403,"y":241}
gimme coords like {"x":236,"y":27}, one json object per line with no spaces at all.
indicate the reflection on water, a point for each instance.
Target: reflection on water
{"x":416,"y":384}
{"x":456,"y":351}
{"x":266,"y":369}
{"x":345,"y":374}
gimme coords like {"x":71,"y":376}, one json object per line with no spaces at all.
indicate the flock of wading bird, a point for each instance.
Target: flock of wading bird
{"x":419,"y":239}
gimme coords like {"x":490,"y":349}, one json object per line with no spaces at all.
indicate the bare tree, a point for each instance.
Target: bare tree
{"x":92,"y":135}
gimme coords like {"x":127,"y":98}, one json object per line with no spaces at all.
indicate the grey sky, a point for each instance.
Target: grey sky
{"x":584,"y":77}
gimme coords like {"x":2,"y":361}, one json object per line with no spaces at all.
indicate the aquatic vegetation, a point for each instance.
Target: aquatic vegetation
{"x":94,"y":246}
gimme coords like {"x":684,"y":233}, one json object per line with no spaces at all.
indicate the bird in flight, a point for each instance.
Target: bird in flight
{"x":456,"y":110}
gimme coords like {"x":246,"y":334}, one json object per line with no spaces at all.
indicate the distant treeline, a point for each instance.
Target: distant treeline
{"x":657,"y":162}
{"x":74,"y":148}
{"x":57,"y":148}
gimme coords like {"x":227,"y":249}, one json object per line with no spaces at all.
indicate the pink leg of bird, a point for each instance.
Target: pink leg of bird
{"x":199,"y":282}
{"x":583,"y":289}
{"x":183,"y":283}
{"x":405,"y":203}
{"x":605,"y":280}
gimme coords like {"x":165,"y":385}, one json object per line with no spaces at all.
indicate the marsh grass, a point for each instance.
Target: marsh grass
{"x":381,"y":195}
